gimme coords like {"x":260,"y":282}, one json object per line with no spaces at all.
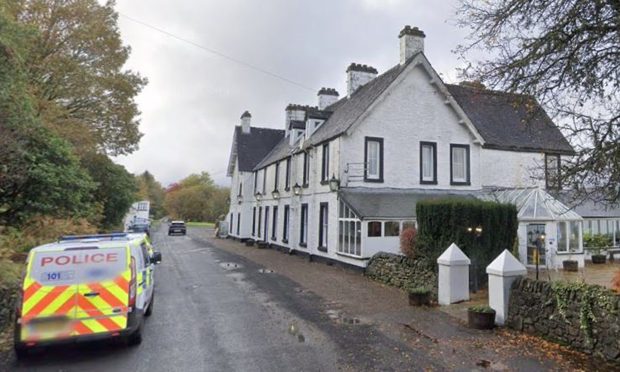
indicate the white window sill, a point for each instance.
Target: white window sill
{"x":352,"y":256}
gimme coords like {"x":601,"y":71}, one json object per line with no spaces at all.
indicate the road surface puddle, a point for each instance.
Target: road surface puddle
{"x":230,"y":265}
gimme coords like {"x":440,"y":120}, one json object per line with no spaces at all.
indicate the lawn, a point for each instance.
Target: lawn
{"x":200,"y":224}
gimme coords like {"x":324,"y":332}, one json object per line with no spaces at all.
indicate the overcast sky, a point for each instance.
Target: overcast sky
{"x":195,"y":98}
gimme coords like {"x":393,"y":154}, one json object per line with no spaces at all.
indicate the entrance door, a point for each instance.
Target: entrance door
{"x":536,"y":244}
{"x":266,"y":223}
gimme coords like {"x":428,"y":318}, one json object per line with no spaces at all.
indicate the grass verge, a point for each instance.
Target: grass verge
{"x":200,"y":224}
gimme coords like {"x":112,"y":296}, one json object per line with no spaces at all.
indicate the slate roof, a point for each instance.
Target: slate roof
{"x":587,"y":207}
{"x":347,"y":110}
{"x":254,"y":146}
{"x":510,"y":121}
{"x":392,"y":203}
{"x":281,"y":151}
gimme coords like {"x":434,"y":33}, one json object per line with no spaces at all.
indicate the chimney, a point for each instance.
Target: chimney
{"x":327,"y":97}
{"x":245,"y":122}
{"x":293,"y":113}
{"x":358,"y":75}
{"x":411,"y":42}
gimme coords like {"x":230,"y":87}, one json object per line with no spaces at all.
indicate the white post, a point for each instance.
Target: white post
{"x":453,"y":276}
{"x":503,"y":271}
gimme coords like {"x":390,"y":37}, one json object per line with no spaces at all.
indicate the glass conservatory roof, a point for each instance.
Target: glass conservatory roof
{"x":533,"y":204}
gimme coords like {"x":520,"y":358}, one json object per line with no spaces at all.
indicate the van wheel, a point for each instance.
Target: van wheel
{"x":149,"y":311}
{"x":135,"y":338}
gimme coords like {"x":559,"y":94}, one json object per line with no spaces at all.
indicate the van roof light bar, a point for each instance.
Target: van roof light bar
{"x":111,"y":236}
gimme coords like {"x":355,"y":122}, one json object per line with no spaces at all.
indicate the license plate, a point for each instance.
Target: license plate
{"x":47,"y":326}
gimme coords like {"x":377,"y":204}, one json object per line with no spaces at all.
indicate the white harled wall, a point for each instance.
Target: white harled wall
{"x":413,"y":111}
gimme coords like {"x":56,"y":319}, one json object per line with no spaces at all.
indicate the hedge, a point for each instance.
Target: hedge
{"x":442,"y":222}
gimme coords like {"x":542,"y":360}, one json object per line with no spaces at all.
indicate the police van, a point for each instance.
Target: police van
{"x":86,"y":287}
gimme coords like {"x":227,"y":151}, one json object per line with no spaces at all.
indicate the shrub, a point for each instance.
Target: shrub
{"x":15,"y":243}
{"x":482,"y":229}
{"x":595,"y":243}
{"x":408,"y":242}
{"x":420,"y":290}
{"x":481,"y":309}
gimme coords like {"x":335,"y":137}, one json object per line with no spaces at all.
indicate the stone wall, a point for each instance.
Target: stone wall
{"x":402,"y":272}
{"x":581,"y":316}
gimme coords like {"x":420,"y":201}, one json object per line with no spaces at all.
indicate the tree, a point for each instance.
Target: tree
{"x":76,"y":73}
{"x":566,"y":53}
{"x":151,"y":190}
{"x":38,"y":172}
{"x":196,"y":198}
{"x":115,"y":188}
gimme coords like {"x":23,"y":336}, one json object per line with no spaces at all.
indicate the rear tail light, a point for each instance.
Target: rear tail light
{"x":132,"y":285}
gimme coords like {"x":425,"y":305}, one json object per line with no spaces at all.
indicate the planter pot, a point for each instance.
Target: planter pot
{"x":419,"y":299}
{"x":480,"y":320}
{"x":262,"y":245}
{"x":599,"y":258}
{"x":570,"y":265}
{"x":249,"y":242}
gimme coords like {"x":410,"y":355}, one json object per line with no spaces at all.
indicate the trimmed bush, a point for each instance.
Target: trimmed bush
{"x":482,"y":229}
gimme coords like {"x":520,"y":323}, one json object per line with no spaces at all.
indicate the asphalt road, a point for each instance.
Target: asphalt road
{"x":209,"y":315}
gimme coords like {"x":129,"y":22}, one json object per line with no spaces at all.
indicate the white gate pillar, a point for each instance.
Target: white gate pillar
{"x":503,"y":271}
{"x":453,"y":276}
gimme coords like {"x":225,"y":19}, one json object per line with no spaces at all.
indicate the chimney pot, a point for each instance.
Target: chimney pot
{"x":411,"y":42}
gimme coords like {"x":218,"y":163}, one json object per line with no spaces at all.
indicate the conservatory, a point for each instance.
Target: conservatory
{"x":549,"y":232}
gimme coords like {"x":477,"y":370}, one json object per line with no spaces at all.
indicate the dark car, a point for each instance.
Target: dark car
{"x":140,"y":228}
{"x":177,"y":227}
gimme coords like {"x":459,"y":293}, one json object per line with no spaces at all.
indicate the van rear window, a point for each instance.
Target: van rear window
{"x":78,"y":265}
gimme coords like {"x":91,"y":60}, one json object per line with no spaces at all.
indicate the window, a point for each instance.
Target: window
{"x":264,"y":174}
{"x":287,"y":179}
{"x":325,"y":164}
{"x":240,"y":189}
{"x":276,"y":176}
{"x":260,"y":218}
{"x":392,"y":228}
{"x":373,"y":155}
{"x":306,"y":174}
{"x":143,"y":206}
{"x":255,"y":182}
{"x":303,"y":223}
{"x":274,"y":223}
{"x":323,"y":219}
{"x":253,"y":221}
{"x":552,"y":171}
{"x":266,"y":235}
{"x":238,"y":223}
{"x":374,"y":229}
{"x":428,"y":163}
{"x":569,"y":236}
{"x":459,"y":164}
{"x":285,"y":223}
{"x":349,"y":231}
{"x":231,"y":222}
